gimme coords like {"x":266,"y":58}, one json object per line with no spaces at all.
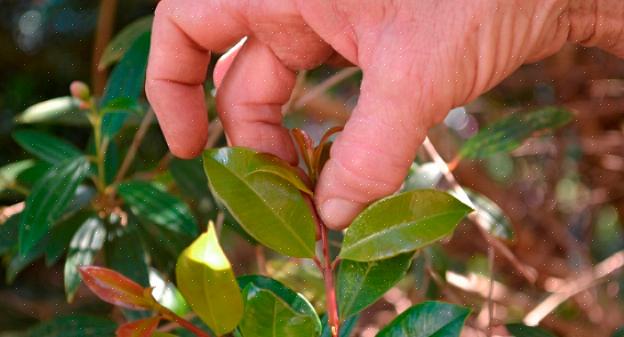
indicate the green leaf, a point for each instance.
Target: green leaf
{"x":74,"y":326}
{"x":167,"y":294}
{"x":61,"y":235}
{"x":401,"y":223}
{"x":493,"y":216}
{"x":361,"y":284}
{"x":157,"y":206}
{"x":124,"y":40}
{"x":428,"y":319}
{"x":422,"y":176}
{"x":111,"y":162}
{"x":125,"y":82}
{"x":206,"y":280}
{"x":48,"y":199}
{"x":267,"y":315}
{"x":509,"y":133}
{"x":619,"y":332}
{"x":294,"y":300}
{"x":19,"y":262}
{"x":61,"y":110}
{"x":31,"y":175}
{"x":83,"y":247}
{"x":270,"y":208}
{"x":125,"y":254}
{"x":8,"y":233}
{"x":521,"y":330}
{"x":10,"y":172}
{"x":346,"y":328}
{"x":190,"y":177}
{"x":46,"y":147}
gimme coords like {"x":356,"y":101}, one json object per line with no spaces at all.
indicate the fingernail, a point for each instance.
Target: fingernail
{"x":338,"y":213}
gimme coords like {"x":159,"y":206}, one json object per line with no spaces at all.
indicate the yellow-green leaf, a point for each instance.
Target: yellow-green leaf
{"x":206,"y":280}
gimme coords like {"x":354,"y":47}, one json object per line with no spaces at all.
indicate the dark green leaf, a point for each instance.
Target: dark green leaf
{"x":19,"y":262}
{"x":74,"y":326}
{"x":61,"y":235}
{"x":206,"y":280}
{"x":48,"y":199}
{"x":160,"y":207}
{"x":294,"y":300}
{"x":111,"y":162}
{"x":10,"y":172}
{"x":190,"y":177}
{"x":428,"y":319}
{"x":346,"y":328}
{"x":361,"y":284}
{"x":31,"y":175}
{"x":509,"y":133}
{"x":8,"y":233}
{"x":125,"y":254}
{"x":492,"y":215}
{"x":46,"y":147}
{"x":124,"y":40}
{"x":619,"y":332}
{"x":84,"y":245}
{"x":521,"y":330}
{"x":61,"y":110}
{"x":401,"y":223}
{"x":267,"y":315}
{"x":267,"y":206}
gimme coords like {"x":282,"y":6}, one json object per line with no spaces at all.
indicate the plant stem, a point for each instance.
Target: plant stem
{"x":136,"y":143}
{"x":170,"y":315}
{"x":330,"y":287}
{"x":103,"y":34}
{"x":96,"y":122}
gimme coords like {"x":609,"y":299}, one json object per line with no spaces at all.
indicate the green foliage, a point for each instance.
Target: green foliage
{"x":74,"y":326}
{"x":401,"y":223}
{"x":346,"y":328}
{"x":61,"y":235}
{"x":521,"y":330}
{"x":206,"y":280}
{"x":87,"y":242}
{"x":48,"y":199}
{"x":125,"y":253}
{"x":10,"y":172}
{"x":509,"y":133}
{"x":361,"y":284}
{"x":428,"y":319}
{"x":157,"y":206}
{"x":46,"y":147}
{"x":61,"y":110}
{"x":270,"y":208}
{"x":492,"y":215}
{"x":124,"y":40}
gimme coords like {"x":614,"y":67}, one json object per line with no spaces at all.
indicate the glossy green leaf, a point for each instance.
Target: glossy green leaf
{"x":510,"y":132}
{"x":422,"y":176}
{"x":274,"y":165}
{"x":125,"y":253}
{"x":190,"y":177}
{"x":74,"y":326}
{"x":61,"y":235}
{"x":521,"y":330}
{"x":270,"y":208}
{"x":150,"y":203}
{"x":302,"y":275}
{"x":8,"y":233}
{"x":360,"y":284}
{"x":84,"y":245}
{"x":49,"y":199}
{"x":46,"y":147}
{"x":167,"y":294}
{"x":31,"y":175}
{"x":125,"y":82}
{"x":124,"y":40}
{"x":111,"y":162}
{"x":114,"y":288}
{"x":428,"y":319}
{"x":61,"y":110}
{"x":139,"y":328}
{"x":492,"y":215}
{"x":206,"y":280}
{"x":346,"y":328}
{"x":401,"y":223}
{"x":267,"y":315}
{"x":10,"y":172}
{"x":19,"y":262}
{"x":294,"y":300}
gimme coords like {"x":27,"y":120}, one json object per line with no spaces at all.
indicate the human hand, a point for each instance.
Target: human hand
{"x":419,"y":59}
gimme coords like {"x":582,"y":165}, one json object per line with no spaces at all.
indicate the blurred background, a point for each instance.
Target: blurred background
{"x":561,"y":193}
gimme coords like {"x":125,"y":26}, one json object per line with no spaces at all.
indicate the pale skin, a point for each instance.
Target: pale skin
{"x":419,"y":59}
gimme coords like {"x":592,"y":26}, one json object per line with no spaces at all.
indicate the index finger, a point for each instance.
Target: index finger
{"x":183,"y":34}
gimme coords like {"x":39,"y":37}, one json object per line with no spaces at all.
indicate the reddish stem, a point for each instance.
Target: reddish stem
{"x":330,"y":288}
{"x":170,"y":315}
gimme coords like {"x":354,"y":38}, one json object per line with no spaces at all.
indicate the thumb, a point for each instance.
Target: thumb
{"x":372,"y":156}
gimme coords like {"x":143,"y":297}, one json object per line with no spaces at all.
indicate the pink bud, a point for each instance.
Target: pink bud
{"x":80,"y":90}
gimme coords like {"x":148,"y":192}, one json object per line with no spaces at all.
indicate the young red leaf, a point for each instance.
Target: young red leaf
{"x":141,"y":328}
{"x":114,"y":288}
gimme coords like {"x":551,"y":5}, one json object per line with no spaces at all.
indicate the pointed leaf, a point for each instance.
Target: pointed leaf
{"x":206,"y":280}
{"x":521,"y":330}
{"x":493,"y":216}
{"x":166,"y":293}
{"x":428,"y":319}
{"x":61,"y":110}
{"x":62,"y":234}
{"x":268,"y":207}
{"x":114,"y":288}
{"x":274,"y":165}
{"x":293,"y":299}
{"x":361,"y":284}
{"x":401,"y":223}
{"x":346,"y":328}
{"x":83,"y":247}
{"x":509,"y":133}
{"x":124,"y":40}
{"x":46,"y":147}
{"x":125,"y":254}
{"x":267,"y":315}
{"x":157,"y":206}
{"x":140,"y":328}
{"x":49,"y":199}
{"x":74,"y":326}
{"x":10,"y":172}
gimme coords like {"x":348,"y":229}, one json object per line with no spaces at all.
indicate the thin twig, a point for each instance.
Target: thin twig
{"x":324,"y":86}
{"x":574,"y":286}
{"x":134,"y":147}
{"x":103,"y":34}
{"x":490,"y":303}
{"x":261,"y":260}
